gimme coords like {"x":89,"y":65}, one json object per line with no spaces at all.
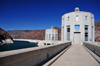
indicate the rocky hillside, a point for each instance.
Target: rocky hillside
{"x":31,"y":34}
{"x":97,"y":26}
{"x":16,"y":34}
{"x":4,"y":36}
{"x":37,"y":34}
{"x":59,"y":32}
{"x":97,"y":31}
{"x":28,"y":34}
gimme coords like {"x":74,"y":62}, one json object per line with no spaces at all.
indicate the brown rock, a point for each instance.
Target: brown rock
{"x":59,"y":32}
{"x":36,"y":34}
{"x":97,"y":26}
{"x":4,"y":34}
{"x":97,"y":31}
{"x":28,"y":34}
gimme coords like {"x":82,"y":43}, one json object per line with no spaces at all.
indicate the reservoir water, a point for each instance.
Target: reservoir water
{"x":17,"y":45}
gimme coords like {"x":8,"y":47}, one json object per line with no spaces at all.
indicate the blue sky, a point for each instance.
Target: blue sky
{"x":41,"y":14}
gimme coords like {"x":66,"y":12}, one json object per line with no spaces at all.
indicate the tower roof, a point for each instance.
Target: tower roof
{"x":51,"y":27}
{"x":76,"y":9}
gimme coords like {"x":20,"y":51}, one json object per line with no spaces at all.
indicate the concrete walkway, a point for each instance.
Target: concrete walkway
{"x":76,"y":55}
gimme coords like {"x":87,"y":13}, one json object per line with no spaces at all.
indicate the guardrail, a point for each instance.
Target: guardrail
{"x":93,"y":47}
{"x":31,"y":56}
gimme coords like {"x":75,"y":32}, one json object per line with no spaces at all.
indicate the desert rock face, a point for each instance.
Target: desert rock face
{"x":97,"y":31}
{"x":5,"y":37}
{"x":97,"y":26}
{"x":37,"y":34}
{"x":28,"y":34}
{"x":59,"y":32}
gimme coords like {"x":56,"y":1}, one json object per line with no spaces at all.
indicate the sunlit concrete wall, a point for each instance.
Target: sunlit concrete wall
{"x":51,"y":34}
{"x":93,"y":47}
{"x":31,"y":56}
{"x":78,"y":18}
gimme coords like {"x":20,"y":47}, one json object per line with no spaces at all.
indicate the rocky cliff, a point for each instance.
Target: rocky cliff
{"x":59,"y":32}
{"x":97,"y":31}
{"x":28,"y":34}
{"x":5,"y":37}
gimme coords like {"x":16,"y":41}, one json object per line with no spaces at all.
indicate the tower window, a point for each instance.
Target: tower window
{"x":77,"y":27}
{"x":56,"y":37}
{"x":86,"y":32}
{"x":52,"y":36}
{"x":91,"y":17}
{"x":68,"y":18}
{"x":76,"y":17}
{"x":85,"y":17}
{"x":68,"y":32}
{"x":49,"y":36}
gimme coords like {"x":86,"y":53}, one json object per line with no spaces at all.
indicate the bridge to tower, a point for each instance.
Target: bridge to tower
{"x":62,"y":54}
{"x":76,"y":55}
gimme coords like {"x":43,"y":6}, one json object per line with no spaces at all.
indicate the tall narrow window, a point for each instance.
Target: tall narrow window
{"x":49,"y":36}
{"x":46,"y":36}
{"x":63,"y":33}
{"x":52,"y":36}
{"x":91,"y":17}
{"x":76,"y":17}
{"x":68,"y":32}
{"x":92,"y":33}
{"x":56,"y":37}
{"x":85,"y":17}
{"x":86,"y":32}
{"x":68,"y":18}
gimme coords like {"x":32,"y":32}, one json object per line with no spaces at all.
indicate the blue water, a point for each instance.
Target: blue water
{"x":17,"y":45}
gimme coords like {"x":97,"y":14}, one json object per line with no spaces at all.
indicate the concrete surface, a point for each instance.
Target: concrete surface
{"x":56,"y":57}
{"x":79,"y":20}
{"x":30,"y":56}
{"x":76,"y":55}
{"x":51,"y":34}
{"x":93,"y":47}
{"x":93,"y":54}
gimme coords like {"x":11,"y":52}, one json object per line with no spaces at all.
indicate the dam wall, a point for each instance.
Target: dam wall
{"x":41,"y":42}
{"x":31,"y":56}
{"x":93,"y":49}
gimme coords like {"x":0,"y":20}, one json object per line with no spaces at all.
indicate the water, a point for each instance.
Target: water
{"x":17,"y":45}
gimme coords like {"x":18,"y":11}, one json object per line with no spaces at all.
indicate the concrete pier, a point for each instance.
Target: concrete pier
{"x":76,"y":55}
